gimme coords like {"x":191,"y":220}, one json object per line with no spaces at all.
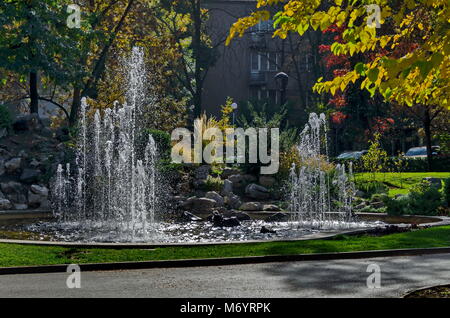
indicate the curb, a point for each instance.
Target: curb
{"x":223,"y":261}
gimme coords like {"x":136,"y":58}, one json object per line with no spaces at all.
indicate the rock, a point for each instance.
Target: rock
{"x":227,"y":188}
{"x":62,"y":134}
{"x":377,"y":205}
{"x":267,"y":181}
{"x":227,"y":172}
{"x":202,"y":172}
{"x":434,"y":182}
{"x":34,"y":163}
{"x":40,"y":190}
{"x":257,"y":192}
{"x":5,"y":204}
{"x":220,"y":221}
{"x":11,"y":187}
{"x":23,"y":154}
{"x":278,"y":217}
{"x":216,"y":197}
{"x":360,"y":194}
{"x":241,"y":216}
{"x":29,"y":122}
{"x":12,"y":166}
{"x":199,"y":204}
{"x":20,"y":206}
{"x":250,"y":206}
{"x":189,"y":217}
{"x":2,"y":167}
{"x":30,"y":175}
{"x":271,"y":207}
{"x":265,"y":230}
{"x":183,"y":187}
{"x":233,"y":201}
{"x":3,"y":132}
{"x":240,"y":180}
{"x":360,"y":206}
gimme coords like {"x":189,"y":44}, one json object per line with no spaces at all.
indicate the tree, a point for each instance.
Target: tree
{"x":413,"y":70}
{"x":36,"y":42}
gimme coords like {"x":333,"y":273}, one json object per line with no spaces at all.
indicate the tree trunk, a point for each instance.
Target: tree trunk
{"x":34,"y":95}
{"x":427,"y":128}
{"x":76,"y":103}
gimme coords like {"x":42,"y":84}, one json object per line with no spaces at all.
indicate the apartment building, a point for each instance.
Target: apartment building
{"x":247,"y":68}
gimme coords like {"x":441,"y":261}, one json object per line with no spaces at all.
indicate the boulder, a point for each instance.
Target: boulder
{"x":13,"y":165}
{"x":30,"y":175}
{"x":5,"y":204}
{"x":20,"y":206}
{"x":40,"y":190}
{"x":30,"y":122}
{"x":220,"y":221}
{"x":360,"y":206}
{"x":2,"y":167}
{"x":199,"y":204}
{"x":227,"y":188}
{"x":265,"y":230}
{"x":267,"y":181}
{"x":240,"y":180}
{"x":278,"y":217}
{"x":227,"y":172}
{"x":250,"y":206}
{"x":241,"y":216}
{"x":202,"y":172}
{"x":189,"y":217}
{"x":233,"y":201}
{"x":216,"y":197}
{"x":257,"y":192}
{"x":271,"y":207}
{"x":11,"y":187}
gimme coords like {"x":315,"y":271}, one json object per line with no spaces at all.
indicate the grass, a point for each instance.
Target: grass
{"x":27,"y":255}
{"x":400,"y":183}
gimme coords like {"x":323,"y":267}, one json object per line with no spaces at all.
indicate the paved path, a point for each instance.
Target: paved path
{"x":341,"y":278}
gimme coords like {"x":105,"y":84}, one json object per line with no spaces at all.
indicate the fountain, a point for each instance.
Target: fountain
{"x":113,"y":187}
{"x":314,"y":192}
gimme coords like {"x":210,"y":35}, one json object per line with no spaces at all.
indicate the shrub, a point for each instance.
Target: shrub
{"x":213,"y":184}
{"x":163,"y":142}
{"x":376,"y":158}
{"x":371,"y":187}
{"x":5,"y":117}
{"x":446,"y":193}
{"x":423,"y":199}
{"x":397,"y":206}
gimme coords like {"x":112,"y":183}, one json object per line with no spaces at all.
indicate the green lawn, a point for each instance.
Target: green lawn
{"x":400,"y":183}
{"x":27,"y":255}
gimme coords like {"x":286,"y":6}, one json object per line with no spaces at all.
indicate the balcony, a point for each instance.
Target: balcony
{"x":258,"y":78}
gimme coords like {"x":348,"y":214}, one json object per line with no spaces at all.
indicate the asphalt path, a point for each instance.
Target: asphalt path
{"x":336,"y":278}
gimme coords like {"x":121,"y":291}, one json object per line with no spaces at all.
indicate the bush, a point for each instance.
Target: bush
{"x":5,"y":117}
{"x":423,"y":199}
{"x":446,"y":193}
{"x":371,"y":187}
{"x":163,"y":142}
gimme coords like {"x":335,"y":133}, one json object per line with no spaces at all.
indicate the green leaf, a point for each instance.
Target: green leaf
{"x":373,"y":74}
{"x":360,"y":68}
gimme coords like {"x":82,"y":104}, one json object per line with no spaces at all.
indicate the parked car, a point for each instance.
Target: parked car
{"x":351,"y":155}
{"x":421,"y":152}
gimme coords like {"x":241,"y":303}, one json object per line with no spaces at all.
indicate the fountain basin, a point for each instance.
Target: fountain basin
{"x":47,"y":232}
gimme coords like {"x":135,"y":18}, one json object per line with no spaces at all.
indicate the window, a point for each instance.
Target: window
{"x":263,"y":27}
{"x":264,"y":61}
{"x":270,"y":95}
